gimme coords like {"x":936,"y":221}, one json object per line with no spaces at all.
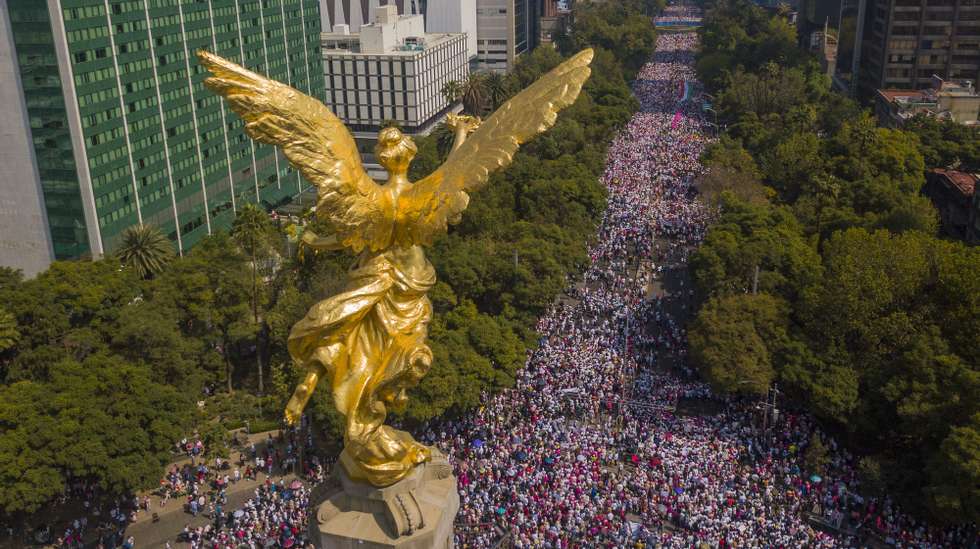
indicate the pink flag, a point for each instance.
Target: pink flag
{"x":676,"y":121}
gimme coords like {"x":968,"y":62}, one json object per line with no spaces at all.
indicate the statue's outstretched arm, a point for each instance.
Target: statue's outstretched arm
{"x":462,"y":125}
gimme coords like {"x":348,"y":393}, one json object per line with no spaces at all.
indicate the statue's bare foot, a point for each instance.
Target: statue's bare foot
{"x":420,"y":452}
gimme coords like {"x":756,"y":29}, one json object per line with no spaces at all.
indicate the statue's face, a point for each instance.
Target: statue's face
{"x":395,"y":150}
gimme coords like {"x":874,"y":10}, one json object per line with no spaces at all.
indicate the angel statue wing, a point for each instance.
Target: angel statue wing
{"x":440,"y":198}
{"x":316,"y":143}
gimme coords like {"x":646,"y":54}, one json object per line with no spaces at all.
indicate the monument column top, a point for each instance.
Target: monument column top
{"x":414,"y":513}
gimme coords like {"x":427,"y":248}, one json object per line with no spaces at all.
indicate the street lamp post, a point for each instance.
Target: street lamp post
{"x":769,"y":404}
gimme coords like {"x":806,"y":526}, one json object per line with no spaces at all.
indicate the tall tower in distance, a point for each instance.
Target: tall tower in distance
{"x":909,"y":41}
{"x":506,"y":29}
{"x":108,"y":98}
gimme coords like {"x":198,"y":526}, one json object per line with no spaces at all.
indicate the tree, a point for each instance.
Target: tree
{"x":735,"y":342}
{"x":945,"y":143}
{"x":954,"y":474}
{"x":747,"y":237}
{"x":729,"y":167}
{"x":774,"y":90}
{"x":816,"y":456}
{"x":9,"y":334}
{"x":878,"y":334}
{"x":619,"y":27}
{"x":452,"y":91}
{"x":474,"y":93}
{"x":253,"y":232}
{"x":211,"y":290}
{"x":145,"y":250}
{"x":498,"y":89}
{"x":102,"y":420}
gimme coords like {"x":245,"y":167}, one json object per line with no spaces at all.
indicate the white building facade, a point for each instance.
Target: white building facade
{"x":391,"y":71}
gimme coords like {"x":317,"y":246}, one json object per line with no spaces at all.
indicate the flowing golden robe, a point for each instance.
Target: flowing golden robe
{"x":383,"y":308}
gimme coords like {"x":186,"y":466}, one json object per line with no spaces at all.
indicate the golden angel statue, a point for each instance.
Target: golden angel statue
{"x":370,"y":340}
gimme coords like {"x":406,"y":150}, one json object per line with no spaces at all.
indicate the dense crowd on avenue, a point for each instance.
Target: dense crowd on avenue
{"x":275,"y":516}
{"x":589,"y":448}
{"x":276,"y":513}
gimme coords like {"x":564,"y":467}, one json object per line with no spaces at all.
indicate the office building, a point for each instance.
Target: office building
{"x":391,"y":71}
{"x":506,"y":29}
{"x":834,"y":30}
{"x":441,"y":16}
{"x":109,"y":97}
{"x":553,"y":18}
{"x":813,"y":15}
{"x":909,"y":41}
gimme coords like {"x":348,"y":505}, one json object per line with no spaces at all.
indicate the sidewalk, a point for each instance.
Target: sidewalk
{"x":173,"y":518}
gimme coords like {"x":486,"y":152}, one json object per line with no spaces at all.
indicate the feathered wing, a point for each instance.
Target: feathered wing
{"x":316,"y":143}
{"x":441,"y":197}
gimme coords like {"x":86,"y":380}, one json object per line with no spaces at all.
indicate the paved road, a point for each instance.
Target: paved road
{"x":173,"y":518}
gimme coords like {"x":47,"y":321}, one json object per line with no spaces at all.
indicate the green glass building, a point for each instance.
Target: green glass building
{"x":122,"y":129}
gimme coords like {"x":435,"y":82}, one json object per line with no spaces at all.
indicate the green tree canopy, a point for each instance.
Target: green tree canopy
{"x":735,"y":339}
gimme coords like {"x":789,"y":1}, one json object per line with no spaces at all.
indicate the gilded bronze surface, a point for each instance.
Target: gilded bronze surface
{"x":370,"y":339}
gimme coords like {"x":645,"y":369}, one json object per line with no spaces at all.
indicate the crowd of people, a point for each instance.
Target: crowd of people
{"x":589,"y":448}
{"x":276,"y":516}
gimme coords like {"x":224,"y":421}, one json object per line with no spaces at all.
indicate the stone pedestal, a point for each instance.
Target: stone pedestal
{"x":414,"y":513}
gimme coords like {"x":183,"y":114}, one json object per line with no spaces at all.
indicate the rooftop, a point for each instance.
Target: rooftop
{"x":940,"y":88}
{"x":390,"y":34}
{"x":349,"y":44}
{"x":904,"y":96}
{"x":965,"y":183}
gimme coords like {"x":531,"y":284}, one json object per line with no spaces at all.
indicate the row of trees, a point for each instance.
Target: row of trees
{"x":102,"y":364}
{"x":823,"y":272}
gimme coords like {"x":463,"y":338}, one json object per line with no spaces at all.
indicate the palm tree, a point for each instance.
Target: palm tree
{"x":445,"y":137}
{"x":252,"y":230}
{"x":498,"y":89}
{"x":474,"y":93}
{"x":452,"y":91}
{"x":145,"y":249}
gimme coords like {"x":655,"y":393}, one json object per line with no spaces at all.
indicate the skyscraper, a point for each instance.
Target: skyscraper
{"x":909,"y":41}
{"x":506,"y":29}
{"x":121,"y":128}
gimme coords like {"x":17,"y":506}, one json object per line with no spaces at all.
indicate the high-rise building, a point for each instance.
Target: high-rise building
{"x":554,"y":16}
{"x":506,"y":29}
{"x":441,"y":16}
{"x":834,"y":29}
{"x":122,"y":132}
{"x":814,"y":15}
{"x":909,"y":41}
{"x":549,"y":8}
{"x":391,"y":71}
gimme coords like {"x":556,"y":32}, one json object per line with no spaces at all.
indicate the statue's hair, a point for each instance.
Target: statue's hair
{"x":392,"y":144}
{"x":389,"y":136}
